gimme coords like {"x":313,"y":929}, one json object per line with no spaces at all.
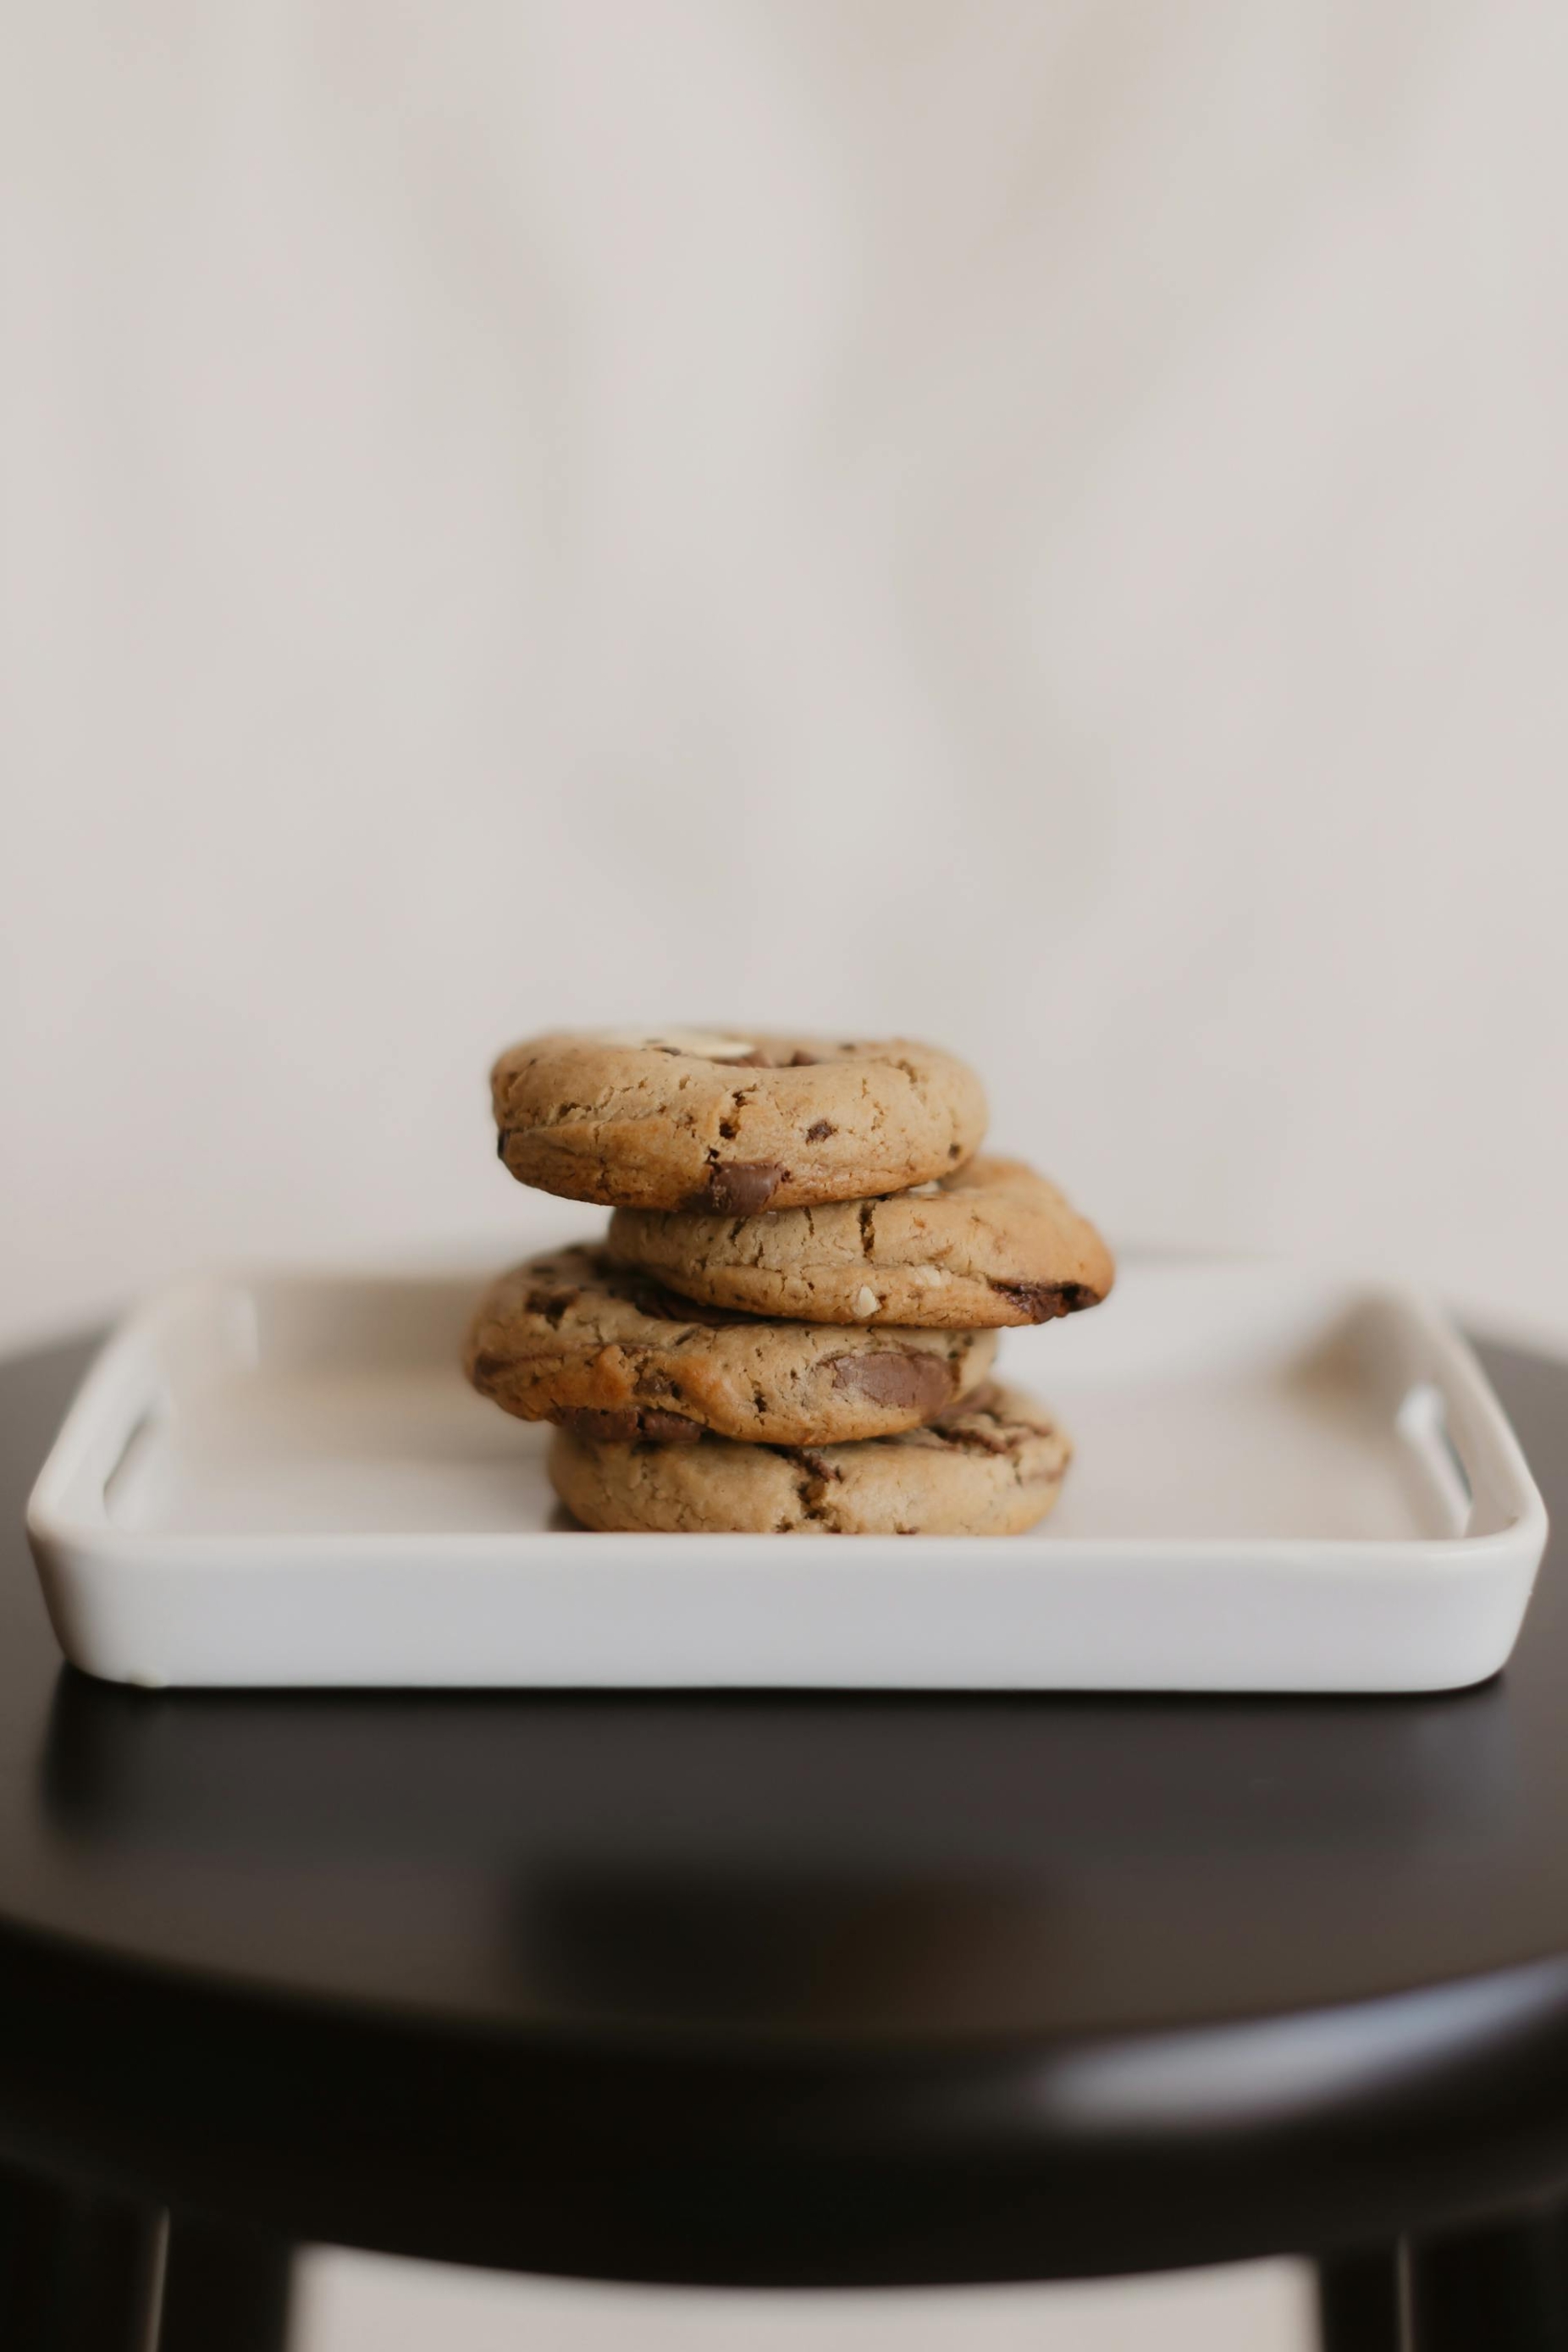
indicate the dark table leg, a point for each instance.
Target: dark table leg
{"x":77,"y":2268}
{"x":1503,"y":2287}
{"x":223,"y":2285}
{"x":1358,"y":2300}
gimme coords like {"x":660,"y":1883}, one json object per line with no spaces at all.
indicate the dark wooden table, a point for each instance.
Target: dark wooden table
{"x":779,"y":1991}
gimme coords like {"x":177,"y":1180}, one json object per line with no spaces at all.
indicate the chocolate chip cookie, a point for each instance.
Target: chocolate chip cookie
{"x":728,"y":1124}
{"x":990,"y":1465}
{"x":609,"y":1352}
{"x":993,"y":1244}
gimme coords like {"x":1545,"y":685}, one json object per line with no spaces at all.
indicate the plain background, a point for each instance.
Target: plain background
{"x":1040,"y":524}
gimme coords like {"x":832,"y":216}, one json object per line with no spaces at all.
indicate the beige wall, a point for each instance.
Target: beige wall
{"x":1045,"y":524}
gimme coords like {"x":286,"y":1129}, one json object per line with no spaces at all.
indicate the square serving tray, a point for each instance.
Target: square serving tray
{"x":1283,"y":1483}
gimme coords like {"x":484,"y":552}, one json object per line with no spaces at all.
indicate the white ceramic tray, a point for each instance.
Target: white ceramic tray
{"x":1283,"y":1483}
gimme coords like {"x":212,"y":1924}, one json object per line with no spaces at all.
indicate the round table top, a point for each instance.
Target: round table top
{"x":795,"y":1989}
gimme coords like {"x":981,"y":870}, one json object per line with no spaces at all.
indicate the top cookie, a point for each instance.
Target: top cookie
{"x":691,"y":1120}
{"x":993,"y":1243}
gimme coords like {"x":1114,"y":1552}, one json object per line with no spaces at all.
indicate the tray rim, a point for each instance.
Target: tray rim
{"x":54,"y":1517}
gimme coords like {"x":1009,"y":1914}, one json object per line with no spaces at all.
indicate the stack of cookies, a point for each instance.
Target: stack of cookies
{"x":790,"y":1325}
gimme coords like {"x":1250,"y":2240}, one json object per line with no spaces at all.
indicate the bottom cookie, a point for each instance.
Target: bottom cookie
{"x":990,"y":1465}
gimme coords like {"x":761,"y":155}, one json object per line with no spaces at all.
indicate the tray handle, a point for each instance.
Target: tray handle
{"x":122,"y":1396}
{"x":1469,"y":1457}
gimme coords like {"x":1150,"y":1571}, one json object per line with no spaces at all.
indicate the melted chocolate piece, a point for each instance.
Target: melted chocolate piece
{"x":661,"y":1306}
{"x":892,"y":1378}
{"x":629,"y":1425}
{"x":986,"y":1398}
{"x":1042,"y":1302}
{"x":806,"y":1458}
{"x":818,"y":1128}
{"x":976,"y":1424}
{"x":973,"y":1437}
{"x":738,"y":1189}
{"x":552,"y":1304}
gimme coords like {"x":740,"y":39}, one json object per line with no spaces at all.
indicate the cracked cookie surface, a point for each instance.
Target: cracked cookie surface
{"x":731,"y":1123}
{"x":992,"y":1244}
{"x":990,"y":1465}
{"x":571,"y":1338}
